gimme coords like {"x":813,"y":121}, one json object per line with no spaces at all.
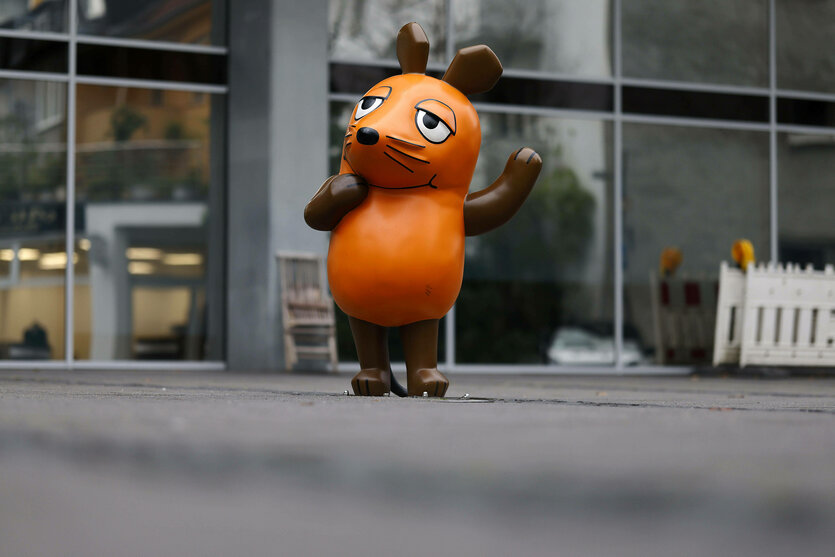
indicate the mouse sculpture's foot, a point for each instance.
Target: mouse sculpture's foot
{"x":429,"y":381}
{"x":372,"y":382}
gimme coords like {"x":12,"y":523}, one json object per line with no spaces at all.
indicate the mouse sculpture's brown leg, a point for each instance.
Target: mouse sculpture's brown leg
{"x":371,"y":342}
{"x":420,"y":344}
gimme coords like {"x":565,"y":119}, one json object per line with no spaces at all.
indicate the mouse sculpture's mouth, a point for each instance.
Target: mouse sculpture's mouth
{"x":427,"y":184}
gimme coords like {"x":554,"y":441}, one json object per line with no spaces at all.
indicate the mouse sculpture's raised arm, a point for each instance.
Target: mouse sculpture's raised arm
{"x":398,"y":210}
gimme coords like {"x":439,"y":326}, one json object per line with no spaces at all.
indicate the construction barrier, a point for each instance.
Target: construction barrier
{"x":775,"y":315}
{"x":684,"y":313}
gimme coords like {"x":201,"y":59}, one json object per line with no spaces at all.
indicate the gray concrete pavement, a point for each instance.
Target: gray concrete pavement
{"x":187,"y":463}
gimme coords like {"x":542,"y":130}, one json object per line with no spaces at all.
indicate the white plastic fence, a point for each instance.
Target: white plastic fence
{"x":776,"y":315}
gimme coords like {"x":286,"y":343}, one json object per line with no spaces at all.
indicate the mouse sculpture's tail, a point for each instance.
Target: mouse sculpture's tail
{"x":396,"y":387}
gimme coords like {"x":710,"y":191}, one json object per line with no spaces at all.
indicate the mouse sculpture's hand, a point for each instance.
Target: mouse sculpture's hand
{"x":493,"y":206}
{"x":337,"y":196}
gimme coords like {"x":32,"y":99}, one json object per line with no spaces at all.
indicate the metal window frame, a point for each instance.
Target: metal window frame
{"x":72,"y":80}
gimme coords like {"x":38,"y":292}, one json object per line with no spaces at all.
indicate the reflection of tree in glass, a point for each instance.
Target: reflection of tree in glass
{"x":552,"y":231}
{"x":143,"y":169}
{"x":124,"y":121}
{"x":516,"y":286}
{"x":26,"y":172}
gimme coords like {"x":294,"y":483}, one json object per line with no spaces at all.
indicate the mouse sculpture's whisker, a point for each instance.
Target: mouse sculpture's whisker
{"x":406,"y":142}
{"x":400,"y":163}
{"x":408,"y":155}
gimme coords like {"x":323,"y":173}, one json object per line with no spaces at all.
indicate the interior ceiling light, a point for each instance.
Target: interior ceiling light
{"x":84,"y":244}
{"x":183,"y":259}
{"x":56,"y":260}
{"x":6,"y":254}
{"x":140,"y":268}
{"x":143,"y":253}
{"x":28,"y":254}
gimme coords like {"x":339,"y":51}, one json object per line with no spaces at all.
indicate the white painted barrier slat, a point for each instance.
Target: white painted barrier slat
{"x":728,"y":330}
{"x":804,"y":328}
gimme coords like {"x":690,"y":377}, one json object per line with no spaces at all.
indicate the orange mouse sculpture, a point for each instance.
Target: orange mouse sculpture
{"x":399,"y":211}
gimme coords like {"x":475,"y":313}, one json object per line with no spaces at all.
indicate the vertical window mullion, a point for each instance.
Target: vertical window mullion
{"x":69,"y":282}
{"x":772,"y":149}
{"x":618,"y":184}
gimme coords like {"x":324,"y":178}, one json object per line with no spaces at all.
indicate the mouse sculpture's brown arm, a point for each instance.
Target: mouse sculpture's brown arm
{"x":337,"y":196}
{"x":493,"y":206}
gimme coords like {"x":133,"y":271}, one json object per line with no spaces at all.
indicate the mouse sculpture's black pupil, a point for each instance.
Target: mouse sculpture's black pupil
{"x":367,"y":102}
{"x":430,"y":121}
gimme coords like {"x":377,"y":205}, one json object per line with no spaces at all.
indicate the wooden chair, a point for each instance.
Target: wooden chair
{"x":307,"y":311}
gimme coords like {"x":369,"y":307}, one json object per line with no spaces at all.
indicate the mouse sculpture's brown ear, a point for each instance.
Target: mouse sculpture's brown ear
{"x":474,"y":69}
{"x":412,"y":48}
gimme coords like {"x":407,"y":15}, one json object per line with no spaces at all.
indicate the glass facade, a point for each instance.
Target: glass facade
{"x":665,"y":128}
{"x":660,"y":132}
{"x":131,"y":240}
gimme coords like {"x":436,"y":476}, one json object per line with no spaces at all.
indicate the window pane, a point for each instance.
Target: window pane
{"x":184,"y":21}
{"x":34,"y":16}
{"x":806,"y":165}
{"x":714,"y":41}
{"x":562,"y":36}
{"x":804,"y":45}
{"x":149,"y":63}
{"x":33,"y":55}
{"x":696,"y":190}
{"x":367,"y":29}
{"x":695,"y":104}
{"x":148,"y":174}
{"x":32,"y":219}
{"x":539,"y":288}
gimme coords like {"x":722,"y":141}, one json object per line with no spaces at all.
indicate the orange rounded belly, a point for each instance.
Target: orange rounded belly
{"x":398,"y":258}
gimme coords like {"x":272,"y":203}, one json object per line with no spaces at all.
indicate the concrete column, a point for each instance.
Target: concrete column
{"x":277,"y":153}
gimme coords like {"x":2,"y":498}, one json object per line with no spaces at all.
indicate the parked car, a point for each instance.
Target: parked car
{"x":591,"y":345}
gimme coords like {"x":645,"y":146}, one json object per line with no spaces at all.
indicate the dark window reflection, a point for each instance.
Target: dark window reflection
{"x":46,"y":16}
{"x":29,"y":54}
{"x":139,"y":63}
{"x":695,"y":104}
{"x":32,"y":219}
{"x":805,"y":112}
{"x":186,"y":21}
{"x":549,"y":93}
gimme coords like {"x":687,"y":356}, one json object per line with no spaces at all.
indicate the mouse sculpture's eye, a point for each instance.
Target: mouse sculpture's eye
{"x":368,"y":105}
{"x":431,"y":127}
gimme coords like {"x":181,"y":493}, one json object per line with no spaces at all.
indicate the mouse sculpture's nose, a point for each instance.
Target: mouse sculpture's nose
{"x":367,"y":136}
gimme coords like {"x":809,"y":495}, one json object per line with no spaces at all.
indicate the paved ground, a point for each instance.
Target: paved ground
{"x":184,"y":463}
